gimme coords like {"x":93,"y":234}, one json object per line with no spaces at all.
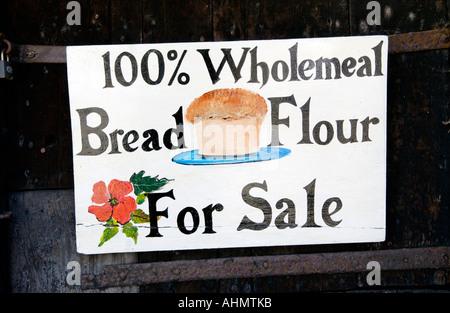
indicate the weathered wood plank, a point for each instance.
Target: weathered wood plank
{"x":273,"y":19}
{"x":229,"y":20}
{"x":44,"y":22}
{"x":417,"y":178}
{"x":39,"y":134}
{"x":36,"y":142}
{"x":296,"y":19}
{"x":187,"y":21}
{"x":399,"y":16}
{"x":43,"y":242}
{"x":95,"y":22}
{"x":126,"y":21}
{"x":153,"y":21}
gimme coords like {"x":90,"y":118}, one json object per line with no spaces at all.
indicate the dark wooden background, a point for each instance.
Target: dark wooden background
{"x":36,"y":143}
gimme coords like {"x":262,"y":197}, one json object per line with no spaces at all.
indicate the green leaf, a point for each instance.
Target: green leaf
{"x":141,"y":198}
{"x":108,"y":233}
{"x":143,"y":183}
{"x":112,"y":222}
{"x":139,"y":217}
{"x":130,"y":231}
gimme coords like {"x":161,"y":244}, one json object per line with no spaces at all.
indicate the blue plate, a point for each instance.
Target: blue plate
{"x":264,"y":154}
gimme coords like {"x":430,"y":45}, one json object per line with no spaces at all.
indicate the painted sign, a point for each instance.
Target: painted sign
{"x":228,"y":144}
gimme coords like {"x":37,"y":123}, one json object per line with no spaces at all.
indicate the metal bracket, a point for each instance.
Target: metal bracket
{"x":420,"y":41}
{"x":261,"y":266}
{"x":39,"y":54}
{"x":398,"y":43}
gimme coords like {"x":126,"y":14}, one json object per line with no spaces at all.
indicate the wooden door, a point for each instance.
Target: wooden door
{"x":38,"y":153}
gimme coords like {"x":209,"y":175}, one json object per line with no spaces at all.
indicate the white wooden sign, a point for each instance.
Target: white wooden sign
{"x":228,"y":144}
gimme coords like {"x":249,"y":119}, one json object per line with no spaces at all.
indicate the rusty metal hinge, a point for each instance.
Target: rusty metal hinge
{"x":420,"y":41}
{"x":398,"y":43}
{"x":262,"y":266}
{"x":39,"y":54}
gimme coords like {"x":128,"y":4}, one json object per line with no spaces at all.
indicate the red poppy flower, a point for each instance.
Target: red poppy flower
{"x":115,"y":202}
